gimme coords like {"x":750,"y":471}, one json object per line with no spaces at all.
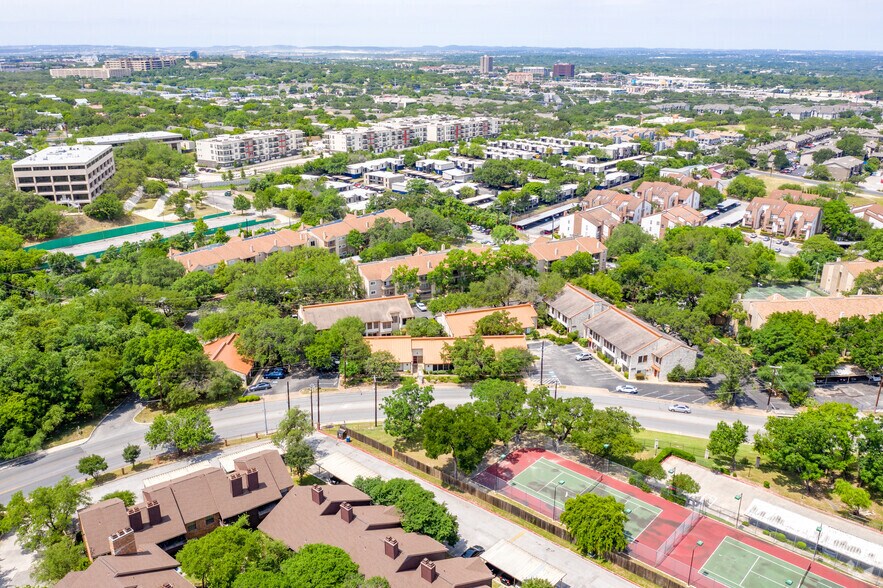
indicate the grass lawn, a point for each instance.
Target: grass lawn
{"x":414,"y":450}
{"x":773,"y":183}
{"x":693,"y":445}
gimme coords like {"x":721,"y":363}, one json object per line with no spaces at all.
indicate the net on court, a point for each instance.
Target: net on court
{"x":548,"y":485}
{"x":738,"y":565}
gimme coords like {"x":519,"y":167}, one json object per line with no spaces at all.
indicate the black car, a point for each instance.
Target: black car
{"x":473,"y":551}
{"x":260,"y":386}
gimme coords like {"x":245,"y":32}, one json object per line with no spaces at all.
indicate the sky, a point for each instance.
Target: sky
{"x":689,"y":24}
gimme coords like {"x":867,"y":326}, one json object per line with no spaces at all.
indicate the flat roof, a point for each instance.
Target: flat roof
{"x":64,"y":154}
{"x":129,"y":137}
{"x":544,"y":215}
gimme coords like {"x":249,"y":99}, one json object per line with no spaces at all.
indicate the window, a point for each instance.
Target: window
{"x":191,"y":527}
{"x":642,"y":359}
{"x":210,"y":520}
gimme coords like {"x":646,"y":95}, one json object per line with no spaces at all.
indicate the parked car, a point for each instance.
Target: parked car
{"x":584,"y":356}
{"x":627,"y":389}
{"x":473,"y":551}
{"x":765,"y":238}
{"x":420,"y":306}
{"x":778,"y":249}
{"x":275,"y":374}
{"x":260,"y":386}
{"x":874,"y":378}
{"x":682,"y":408}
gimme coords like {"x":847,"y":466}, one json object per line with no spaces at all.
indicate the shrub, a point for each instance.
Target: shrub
{"x":744,"y":523}
{"x":248,"y":398}
{"x":638,"y":482}
{"x":766,"y":484}
{"x":668,"y":451}
{"x":800,"y":545}
{"x":640,"y":376}
{"x":778,"y":536}
{"x":677,"y":374}
{"x":672,"y":497}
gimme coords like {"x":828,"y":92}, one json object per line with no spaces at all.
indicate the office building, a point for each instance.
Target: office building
{"x":144,"y":63}
{"x":173,"y":140}
{"x":71,"y":175}
{"x":250,"y":147}
{"x":98,"y":73}
{"x":537,"y":71}
{"x":563,"y":70}
{"x":486,"y":65}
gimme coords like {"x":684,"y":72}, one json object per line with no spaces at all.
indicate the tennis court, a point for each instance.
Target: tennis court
{"x":791,"y":292}
{"x":554,"y":484}
{"x":738,"y":565}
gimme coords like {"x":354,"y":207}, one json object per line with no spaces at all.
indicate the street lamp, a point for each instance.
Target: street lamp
{"x":555,"y":498}
{"x":739,"y":510}
{"x":542,"y":356}
{"x":692,"y":554}
{"x":606,"y":459}
{"x":818,"y":538}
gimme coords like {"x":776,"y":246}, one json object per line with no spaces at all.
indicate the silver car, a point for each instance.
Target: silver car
{"x":682,"y":408}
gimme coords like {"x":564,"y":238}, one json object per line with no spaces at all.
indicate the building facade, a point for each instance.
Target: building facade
{"x":486,"y":64}
{"x":173,"y":140}
{"x":72,"y":175}
{"x":405,"y":132}
{"x":563,"y":70}
{"x":250,"y":147}
{"x":142,"y":63}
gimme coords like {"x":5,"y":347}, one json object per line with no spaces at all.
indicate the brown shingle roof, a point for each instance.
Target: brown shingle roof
{"x":323,"y":316}
{"x":462,"y":324}
{"x":573,"y":300}
{"x":149,"y":567}
{"x":548,"y":250}
{"x":424,"y":261}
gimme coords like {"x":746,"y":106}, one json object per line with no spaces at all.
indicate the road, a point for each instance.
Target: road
{"x":119,"y":429}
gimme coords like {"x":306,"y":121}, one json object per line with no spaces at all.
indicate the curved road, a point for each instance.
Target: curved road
{"x":119,"y":429}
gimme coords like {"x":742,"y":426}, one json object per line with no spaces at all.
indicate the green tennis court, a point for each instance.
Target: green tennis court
{"x":554,"y":484}
{"x":738,"y":565}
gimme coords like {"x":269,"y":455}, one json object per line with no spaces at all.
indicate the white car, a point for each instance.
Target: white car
{"x":682,"y":408}
{"x":420,"y":306}
{"x":627,"y":389}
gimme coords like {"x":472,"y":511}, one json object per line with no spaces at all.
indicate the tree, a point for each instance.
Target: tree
{"x":796,"y":380}
{"x":683,"y":484}
{"x":797,"y":338}
{"x":405,"y":279}
{"x":299,"y":456}
{"x":798,"y":268}
{"x":496,"y":173}
{"x":421,"y":513}
{"x":869,"y":448}
{"x":596,"y":523}
{"x":780,"y":160}
{"x":104,"y":207}
{"x":610,"y":433}
{"x":261,"y":201}
{"x":709,"y":196}
{"x":294,"y":428}
{"x":58,"y":559}
{"x":627,"y":238}
{"x":183,"y":431}
{"x":92,"y":465}
{"x":127,"y":496}
{"x":403,"y":409}
{"x":729,"y":360}
{"x":576,"y":265}
{"x":503,"y":234}
{"x":381,"y":365}
{"x":852,"y":144}
{"x":823,"y":155}
{"x":470,"y":357}
{"x":463,"y":431}
{"x":319,"y":566}
{"x":746,"y":188}
{"x":726,"y":439}
{"x":46,"y":515}
{"x":424,"y":327}
{"x":131,"y":453}
{"x":498,"y":323}
{"x":818,"y":171}
{"x":853,"y":497}
{"x":503,"y":402}
{"x":241,"y":203}
{"x":536,"y":583}
{"x":602,"y":285}
{"x":562,"y":416}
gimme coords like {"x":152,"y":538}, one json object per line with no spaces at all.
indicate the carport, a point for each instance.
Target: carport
{"x":343,"y":468}
{"x":520,"y":564}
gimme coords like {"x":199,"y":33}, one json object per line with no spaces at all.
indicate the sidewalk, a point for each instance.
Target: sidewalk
{"x":478,"y":526}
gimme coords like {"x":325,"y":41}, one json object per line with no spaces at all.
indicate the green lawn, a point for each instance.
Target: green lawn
{"x":693,"y":445}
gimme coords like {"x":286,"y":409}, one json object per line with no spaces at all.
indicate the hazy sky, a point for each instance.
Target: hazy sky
{"x":713,"y":24}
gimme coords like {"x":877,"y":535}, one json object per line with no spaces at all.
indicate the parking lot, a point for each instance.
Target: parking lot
{"x":860,"y":394}
{"x":296,"y":381}
{"x":560,"y":365}
{"x":776,"y":244}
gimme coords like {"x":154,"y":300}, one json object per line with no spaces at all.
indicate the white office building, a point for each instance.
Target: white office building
{"x":405,"y":132}
{"x":72,"y":175}
{"x":173,"y":140}
{"x":250,"y":147}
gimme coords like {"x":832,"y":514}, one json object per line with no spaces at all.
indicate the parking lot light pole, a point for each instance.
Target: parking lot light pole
{"x":266,"y":424}
{"x":542,"y":357}
{"x":818,"y":538}
{"x":739,"y":510}
{"x":375,"y":402}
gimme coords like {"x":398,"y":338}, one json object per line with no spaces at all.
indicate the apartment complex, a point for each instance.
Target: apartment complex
{"x":463,"y":322}
{"x":72,"y":175}
{"x":130,"y":564}
{"x":829,"y":308}
{"x":382,"y":316}
{"x":250,"y":147}
{"x":142,"y":63}
{"x":546,"y":251}
{"x":428,"y":354}
{"x":563,"y":70}
{"x":662,"y":195}
{"x":679,"y":216}
{"x":373,"y":537}
{"x":838,"y":277}
{"x":783,"y":218}
{"x":486,"y":64}
{"x":173,"y":140}
{"x":98,"y":73}
{"x":405,"y":132}
{"x":240,"y":250}
{"x":377,"y":275}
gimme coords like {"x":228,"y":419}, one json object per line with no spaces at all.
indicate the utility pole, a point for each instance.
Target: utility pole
{"x":775,"y":369}
{"x":375,"y":402}
{"x":312,"y":419}
{"x":556,"y":389}
{"x":542,"y":357}
{"x":318,"y":409}
{"x":288,"y":393}
{"x":266,"y":424}
{"x":879,"y":389}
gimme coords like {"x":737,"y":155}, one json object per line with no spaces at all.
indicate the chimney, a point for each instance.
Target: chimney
{"x":136,"y":521}
{"x":251,"y":476}
{"x":318,"y":494}
{"x":391,"y":548}
{"x":153,"y":514}
{"x":346,"y":512}
{"x":236,"y":484}
{"x":427,"y":571}
{"x":556,"y":252}
{"x":123,"y":542}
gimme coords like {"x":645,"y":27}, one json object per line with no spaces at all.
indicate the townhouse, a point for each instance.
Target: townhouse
{"x":377,"y":275}
{"x":630,"y":207}
{"x":838,"y":277}
{"x":240,"y":250}
{"x":872,"y":213}
{"x":462,"y":323}
{"x":546,"y":251}
{"x":829,"y":308}
{"x":573,"y":305}
{"x":373,"y":537}
{"x":597,"y":222}
{"x":129,"y":564}
{"x":332,"y":236}
{"x":428,"y":354}
{"x":383,"y":164}
{"x":381,"y":316}
{"x":679,"y":216}
{"x":783,"y":218}
{"x":662,"y":195}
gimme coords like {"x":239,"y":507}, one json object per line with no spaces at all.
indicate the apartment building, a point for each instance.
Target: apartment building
{"x":783,"y":218}
{"x":173,"y":140}
{"x":382,"y":316}
{"x":872,"y":213}
{"x":838,"y":277}
{"x":597,"y":222}
{"x":546,"y":251}
{"x":240,"y":250}
{"x":250,"y":147}
{"x":630,"y":207}
{"x":129,"y":564}
{"x":72,"y":175}
{"x":377,"y":275}
{"x":662,"y":195}
{"x":98,"y":73}
{"x":520,"y":77}
{"x":462,"y":323}
{"x":141,"y":63}
{"x":679,"y":216}
{"x":332,"y":236}
{"x":536,"y":70}
{"x":843,"y":168}
{"x":383,"y":164}
{"x":427,"y":354}
{"x":829,"y":308}
{"x":405,"y":132}
{"x":486,"y":64}
{"x":574,"y":305}
{"x":191,"y":505}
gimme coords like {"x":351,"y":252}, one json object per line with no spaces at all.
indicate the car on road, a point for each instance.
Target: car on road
{"x":682,"y":408}
{"x":275,"y":374}
{"x":473,"y":551}
{"x":260,"y":386}
{"x":627,"y":389}
{"x":765,"y":238}
{"x":583,"y":356}
{"x":778,"y":250}
{"x":420,"y":306}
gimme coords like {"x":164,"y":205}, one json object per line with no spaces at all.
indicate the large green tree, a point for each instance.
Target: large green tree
{"x":597,"y":524}
{"x":464,"y":432}
{"x":421,"y":512}
{"x":504,"y":402}
{"x":182,"y":431}
{"x":725,"y":440}
{"x":403,"y":409}
{"x":46,"y":515}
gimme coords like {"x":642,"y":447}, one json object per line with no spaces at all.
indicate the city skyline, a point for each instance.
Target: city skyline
{"x":685,"y":24}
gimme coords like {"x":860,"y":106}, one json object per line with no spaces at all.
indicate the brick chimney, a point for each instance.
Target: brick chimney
{"x":153,"y":514}
{"x":427,"y":571}
{"x":251,"y":477}
{"x":346,"y":512}
{"x":391,"y":548}
{"x":123,"y":542}
{"x":318,"y":494}
{"x":235,"y":484}
{"x":136,"y":521}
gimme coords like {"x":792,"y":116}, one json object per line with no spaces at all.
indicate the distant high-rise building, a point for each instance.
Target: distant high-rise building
{"x":487,"y":64}
{"x":539,"y":72}
{"x":147,"y":63}
{"x":194,"y":55}
{"x":563,"y":70}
